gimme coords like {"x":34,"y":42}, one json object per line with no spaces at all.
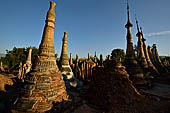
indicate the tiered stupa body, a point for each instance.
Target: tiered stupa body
{"x":140,"y":51}
{"x":149,"y":62}
{"x":43,"y":85}
{"x":64,"y":61}
{"x":132,"y":67}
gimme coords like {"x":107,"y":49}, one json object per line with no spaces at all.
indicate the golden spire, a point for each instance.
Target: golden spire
{"x":46,"y":47}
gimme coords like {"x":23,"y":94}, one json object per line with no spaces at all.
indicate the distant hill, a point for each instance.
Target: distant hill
{"x":2,"y":55}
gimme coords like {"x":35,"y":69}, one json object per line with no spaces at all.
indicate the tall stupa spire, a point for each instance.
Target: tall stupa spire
{"x":64,"y":61}
{"x":64,"y":56}
{"x":138,"y":34}
{"x":140,"y":51}
{"x":132,"y":67}
{"x":71,"y":59}
{"x":43,"y":85}
{"x":46,"y":48}
{"x":129,"y":37}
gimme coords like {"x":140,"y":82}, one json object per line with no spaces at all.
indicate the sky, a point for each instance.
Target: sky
{"x":92,"y":25}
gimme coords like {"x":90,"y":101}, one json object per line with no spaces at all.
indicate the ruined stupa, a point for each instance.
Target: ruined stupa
{"x":158,"y":62}
{"x":77,"y":68}
{"x":71,"y":59}
{"x":64,"y":61}
{"x":156,"y":55}
{"x":151,"y":55}
{"x":29,"y":56}
{"x":132,"y":67}
{"x":43,"y":85}
{"x":28,"y":61}
{"x":151,"y":67}
{"x":101,"y":61}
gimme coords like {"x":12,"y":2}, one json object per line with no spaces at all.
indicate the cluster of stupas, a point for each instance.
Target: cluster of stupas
{"x":45,"y":82}
{"x":147,"y":60}
{"x":83,"y":69}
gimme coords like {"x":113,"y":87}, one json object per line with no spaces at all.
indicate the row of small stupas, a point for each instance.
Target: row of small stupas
{"x":44,"y":83}
{"x":83,"y":69}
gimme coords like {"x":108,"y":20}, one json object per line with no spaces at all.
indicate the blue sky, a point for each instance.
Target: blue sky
{"x":92,"y":25}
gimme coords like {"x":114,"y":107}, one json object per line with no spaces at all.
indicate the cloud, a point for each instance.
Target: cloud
{"x":157,"y":33}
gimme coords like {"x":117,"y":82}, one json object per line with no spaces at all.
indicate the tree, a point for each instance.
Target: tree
{"x":17,"y":55}
{"x":14,"y":57}
{"x":118,"y":54}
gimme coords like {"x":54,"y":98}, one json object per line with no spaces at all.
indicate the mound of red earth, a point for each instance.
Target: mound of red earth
{"x":5,"y":79}
{"x":112,"y":91}
{"x":8,"y":91}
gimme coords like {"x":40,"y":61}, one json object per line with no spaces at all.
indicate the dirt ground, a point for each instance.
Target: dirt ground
{"x":109,"y":92}
{"x":113,"y":92}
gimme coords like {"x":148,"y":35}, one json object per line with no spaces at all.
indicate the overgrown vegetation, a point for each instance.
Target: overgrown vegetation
{"x":17,"y":55}
{"x":118,"y":54}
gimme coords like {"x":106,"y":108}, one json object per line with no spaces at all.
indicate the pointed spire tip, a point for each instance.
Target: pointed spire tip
{"x":127,"y":5}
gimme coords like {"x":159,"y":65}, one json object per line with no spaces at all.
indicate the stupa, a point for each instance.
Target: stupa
{"x":71,"y":59}
{"x":64,"y":61}
{"x":43,"y":85}
{"x":140,"y":51}
{"x":158,"y":62}
{"x":132,"y":67}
